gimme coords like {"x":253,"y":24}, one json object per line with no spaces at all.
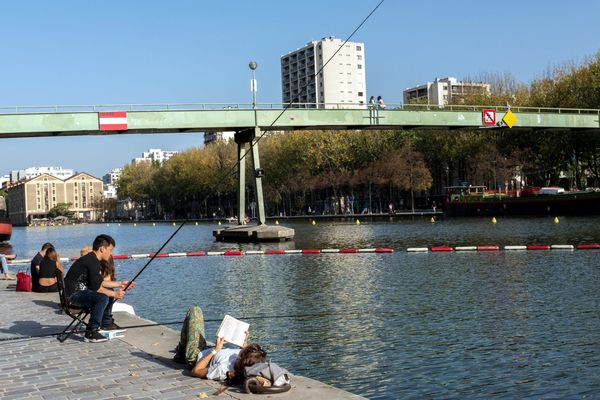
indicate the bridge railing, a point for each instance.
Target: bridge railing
{"x":276,"y":106}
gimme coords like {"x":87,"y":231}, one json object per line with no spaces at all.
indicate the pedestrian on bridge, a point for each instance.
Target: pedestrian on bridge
{"x":380,"y":103}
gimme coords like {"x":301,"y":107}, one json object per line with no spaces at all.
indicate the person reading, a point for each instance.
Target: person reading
{"x":217,"y":363}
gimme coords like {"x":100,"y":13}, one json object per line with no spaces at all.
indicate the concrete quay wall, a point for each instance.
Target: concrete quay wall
{"x":138,"y":366}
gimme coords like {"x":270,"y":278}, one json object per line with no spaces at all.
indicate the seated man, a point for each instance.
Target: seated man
{"x":85,"y":286}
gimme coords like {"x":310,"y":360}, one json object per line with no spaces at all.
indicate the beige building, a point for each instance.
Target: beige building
{"x":34,"y":198}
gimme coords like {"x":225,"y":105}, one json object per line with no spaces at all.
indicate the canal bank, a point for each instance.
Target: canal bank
{"x":138,"y":366}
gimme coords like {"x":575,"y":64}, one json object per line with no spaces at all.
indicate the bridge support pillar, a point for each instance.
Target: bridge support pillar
{"x":242,"y":138}
{"x":261,"y":232}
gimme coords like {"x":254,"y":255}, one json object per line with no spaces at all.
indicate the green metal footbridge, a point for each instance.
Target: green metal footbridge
{"x":249,"y":120}
{"x":164,"y":118}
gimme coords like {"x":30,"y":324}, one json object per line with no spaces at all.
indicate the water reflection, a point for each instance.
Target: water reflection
{"x":402,"y":325}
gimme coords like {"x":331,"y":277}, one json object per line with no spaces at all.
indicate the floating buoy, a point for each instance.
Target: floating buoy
{"x":119,"y":224}
{"x":134,"y":224}
{"x":196,"y":223}
{"x":433,"y":220}
{"x":219,"y":222}
{"x":154,"y":224}
{"x":106,"y":224}
{"x":314,"y":222}
{"x":494,"y":220}
{"x":556,"y":221}
{"x":357,"y":221}
{"x":173,"y":223}
{"x":276,"y":222}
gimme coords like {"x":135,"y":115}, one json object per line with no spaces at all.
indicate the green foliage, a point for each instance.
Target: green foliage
{"x":61,"y":210}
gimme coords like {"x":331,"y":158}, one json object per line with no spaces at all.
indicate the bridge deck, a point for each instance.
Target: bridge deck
{"x":84,"y":120}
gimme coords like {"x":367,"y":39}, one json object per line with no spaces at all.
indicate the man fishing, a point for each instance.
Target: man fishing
{"x":85,"y":286}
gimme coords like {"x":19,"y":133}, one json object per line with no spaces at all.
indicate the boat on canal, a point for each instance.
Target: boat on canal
{"x":5,"y":224}
{"x":478,"y":201}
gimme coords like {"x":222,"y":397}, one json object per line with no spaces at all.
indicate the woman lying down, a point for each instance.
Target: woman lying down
{"x":217,"y":363}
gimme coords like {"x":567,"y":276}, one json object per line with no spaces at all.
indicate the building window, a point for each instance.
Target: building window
{"x":358,"y":48}
{"x":360,"y":94}
{"x":359,"y":57}
{"x":359,"y":66}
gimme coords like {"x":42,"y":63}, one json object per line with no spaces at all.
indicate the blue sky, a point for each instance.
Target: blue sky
{"x":117,"y":52}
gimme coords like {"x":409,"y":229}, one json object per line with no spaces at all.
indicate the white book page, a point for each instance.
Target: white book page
{"x":233,"y":330}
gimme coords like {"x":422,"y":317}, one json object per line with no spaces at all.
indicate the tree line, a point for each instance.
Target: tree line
{"x":335,"y":172}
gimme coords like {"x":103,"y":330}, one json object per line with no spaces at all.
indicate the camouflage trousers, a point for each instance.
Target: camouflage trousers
{"x":192,"y":339}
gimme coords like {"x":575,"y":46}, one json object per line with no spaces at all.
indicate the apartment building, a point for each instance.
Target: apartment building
{"x":443,"y":91}
{"x":35,"y":197}
{"x":341,"y":84}
{"x":155,"y":155}
{"x":28,"y":173}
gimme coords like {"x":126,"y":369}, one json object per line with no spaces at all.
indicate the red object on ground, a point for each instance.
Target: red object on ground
{"x":233,"y":253}
{"x":274,"y":251}
{"x":488,"y":248}
{"x":591,"y":246}
{"x":384,"y":250}
{"x":538,"y":247}
{"x":348,"y":251}
{"x":442,"y":248}
{"x":195,"y":253}
{"x":311,"y":251}
{"x":158,"y":255}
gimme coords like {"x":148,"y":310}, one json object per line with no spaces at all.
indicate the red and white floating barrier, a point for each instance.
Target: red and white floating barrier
{"x":350,"y":250}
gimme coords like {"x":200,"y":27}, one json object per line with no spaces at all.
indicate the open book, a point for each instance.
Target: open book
{"x":233,"y":330}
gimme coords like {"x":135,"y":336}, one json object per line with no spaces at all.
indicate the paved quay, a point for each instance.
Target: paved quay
{"x":138,"y":366}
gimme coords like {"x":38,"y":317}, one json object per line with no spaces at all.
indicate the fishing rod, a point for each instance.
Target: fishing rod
{"x":154,"y":255}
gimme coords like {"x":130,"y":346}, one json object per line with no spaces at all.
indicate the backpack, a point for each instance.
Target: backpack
{"x":23,"y":282}
{"x":277,"y":378}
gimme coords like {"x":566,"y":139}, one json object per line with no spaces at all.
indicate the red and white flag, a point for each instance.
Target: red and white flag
{"x":112,"y":121}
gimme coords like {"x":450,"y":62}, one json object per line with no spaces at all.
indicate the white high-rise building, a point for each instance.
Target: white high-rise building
{"x":443,"y":91}
{"x":112,"y":177}
{"x":155,"y":155}
{"x":341,"y":84}
{"x":212,"y":137}
{"x":31,"y":172}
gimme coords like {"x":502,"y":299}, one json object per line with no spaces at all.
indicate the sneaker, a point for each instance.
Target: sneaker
{"x":94,"y":337}
{"x":110,"y":327}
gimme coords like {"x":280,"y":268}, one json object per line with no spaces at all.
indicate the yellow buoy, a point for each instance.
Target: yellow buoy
{"x":196,"y":223}
{"x":357,"y":221}
{"x":276,"y":222}
{"x":556,"y":221}
{"x":173,"y":223}
{"x":219,"y":222}
{"x":314,"y":222}
{"x":433,"y":220}
{"x":494,"y":220}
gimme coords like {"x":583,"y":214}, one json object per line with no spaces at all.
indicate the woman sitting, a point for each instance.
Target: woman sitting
{"x":216,"y":362}
{"x":47,"y":270}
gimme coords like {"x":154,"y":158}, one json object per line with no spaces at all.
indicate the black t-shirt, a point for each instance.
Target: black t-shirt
{"x":34,"y":274}
{"x":83,"y":274}
{"x":47,"y":269}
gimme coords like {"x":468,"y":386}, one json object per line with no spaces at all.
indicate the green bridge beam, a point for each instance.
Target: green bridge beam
{"x":86,"y":123}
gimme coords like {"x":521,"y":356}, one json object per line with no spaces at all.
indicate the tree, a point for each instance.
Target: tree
{"x":409,"y":170}
{"x":61,"y":210}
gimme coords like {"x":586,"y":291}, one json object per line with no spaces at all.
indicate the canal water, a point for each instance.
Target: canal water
{"x":386,"y":326}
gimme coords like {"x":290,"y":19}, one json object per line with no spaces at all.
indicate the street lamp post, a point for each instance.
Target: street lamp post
{"x":253,"y":65}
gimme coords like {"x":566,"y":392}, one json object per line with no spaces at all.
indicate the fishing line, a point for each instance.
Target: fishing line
{"x":253,"y":143}
{"x":354,"y":313}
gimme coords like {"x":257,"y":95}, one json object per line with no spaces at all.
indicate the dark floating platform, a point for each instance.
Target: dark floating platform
{"x":254,"y":233}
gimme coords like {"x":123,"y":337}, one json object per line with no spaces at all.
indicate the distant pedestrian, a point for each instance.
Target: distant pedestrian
{"x":507,"y":106}
{"x":372,"y":102}
{"x":391,"y":207}
{"x":4,"y":264}
{"x":380,"y":103}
